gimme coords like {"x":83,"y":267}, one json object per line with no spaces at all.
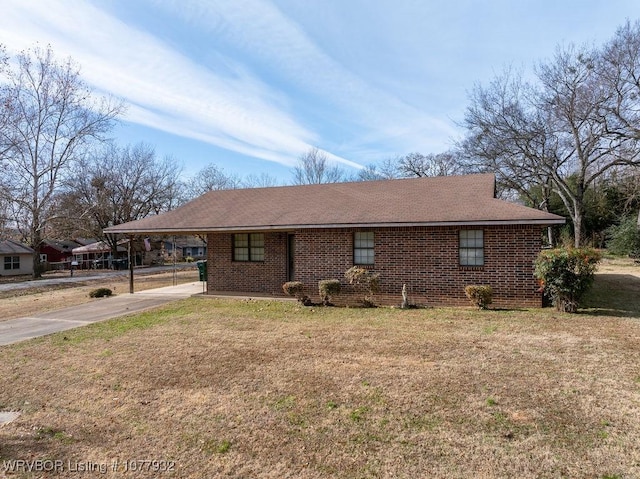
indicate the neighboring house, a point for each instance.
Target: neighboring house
{"x":97,"y":255}
{"x":85,"y":241}
{"x":434,"y":235}
{"x":186,"y":247}
{"x":57,"y":254}
{"x":16,"y":258}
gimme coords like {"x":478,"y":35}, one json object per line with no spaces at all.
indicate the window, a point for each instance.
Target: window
{"x":363,"y":247}
{"x":248,"y":247}
{"x":11,"y":262}
{"x":471,"y":248}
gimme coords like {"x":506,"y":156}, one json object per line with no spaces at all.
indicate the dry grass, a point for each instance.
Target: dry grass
{"x":37,"y":299}
{"x":268,"y":389}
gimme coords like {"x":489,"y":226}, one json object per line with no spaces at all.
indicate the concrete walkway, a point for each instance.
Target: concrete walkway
{"x":21,"y":329}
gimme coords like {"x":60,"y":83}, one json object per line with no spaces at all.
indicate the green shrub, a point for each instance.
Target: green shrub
{"x":565,"y":274}
{"x":366,"y":280}
{"x":479,"y":295}
{"x":328,"y":288}
{"x":189,"y":259}
{"x":295,"y":289}
{"x":100,"y":292}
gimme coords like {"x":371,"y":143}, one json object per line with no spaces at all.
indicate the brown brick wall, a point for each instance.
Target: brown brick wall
{"x":425,"y":259}
{"x":224,"y":274}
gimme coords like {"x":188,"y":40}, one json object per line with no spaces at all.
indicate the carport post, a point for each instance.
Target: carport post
{"x":130,"y":267}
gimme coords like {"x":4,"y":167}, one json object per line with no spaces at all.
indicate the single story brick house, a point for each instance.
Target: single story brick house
{"x":435,"y":235}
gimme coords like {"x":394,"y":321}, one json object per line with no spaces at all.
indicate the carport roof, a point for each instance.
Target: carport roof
{"x":445,"y":200}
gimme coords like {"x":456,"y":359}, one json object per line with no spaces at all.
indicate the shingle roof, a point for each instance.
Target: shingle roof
{"x":445,"y":200}
{"x":64,"y":246}
{"x":13,"y":247}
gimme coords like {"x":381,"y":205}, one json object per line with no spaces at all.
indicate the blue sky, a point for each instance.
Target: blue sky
{"x":250,"y":85}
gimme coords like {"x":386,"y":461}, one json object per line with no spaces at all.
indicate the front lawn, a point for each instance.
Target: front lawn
{"x":224,"y":388}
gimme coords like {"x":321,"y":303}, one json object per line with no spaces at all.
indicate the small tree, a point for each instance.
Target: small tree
{"x":367,"y":280}
{"x":565,"y":274}
{"x":328,"y":288}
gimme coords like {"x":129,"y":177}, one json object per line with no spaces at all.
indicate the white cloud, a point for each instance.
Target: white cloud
{"x":165,"y":89}
{"x":263,"y":32}
{"x":271,"y":78}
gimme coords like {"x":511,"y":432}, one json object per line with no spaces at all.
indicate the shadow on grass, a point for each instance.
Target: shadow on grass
{"x":613,"y":295}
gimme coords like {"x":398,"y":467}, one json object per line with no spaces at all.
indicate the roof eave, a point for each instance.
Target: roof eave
{"x":220,"y":229}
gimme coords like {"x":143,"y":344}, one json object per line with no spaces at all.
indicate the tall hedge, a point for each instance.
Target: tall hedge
{"x":566,"y":274}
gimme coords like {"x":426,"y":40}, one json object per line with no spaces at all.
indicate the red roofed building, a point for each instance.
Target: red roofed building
{"x":434,"y":235}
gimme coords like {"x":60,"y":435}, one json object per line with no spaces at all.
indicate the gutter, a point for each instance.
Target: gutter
{"x":243,"y":228}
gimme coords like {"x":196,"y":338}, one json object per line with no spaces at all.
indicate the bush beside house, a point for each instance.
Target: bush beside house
{"x":295,"y":289}
{"x":328,"y":289}
{"x":566,"y":274}
{"x":480,"y":296}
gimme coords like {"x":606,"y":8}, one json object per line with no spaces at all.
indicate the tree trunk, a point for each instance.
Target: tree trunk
{"x":550,"y":238}
{"x":36,"y":239}
{"x":578,"y":214}
{"x":577,"y":229}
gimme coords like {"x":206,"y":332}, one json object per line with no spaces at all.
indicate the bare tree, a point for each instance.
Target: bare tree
{"x":51,"y":119}
{"x":385,"y":170}
{"x":575,"y":96}
{"x":6,"y":142}
{"x":263,"y":180}
{"x":619,"y":70}
{"x":508,"y":135}
{"x":553,"y":134}
{"x":414,"y":165}
{"x":6,"y":114}
{"x":313,"y":168}
{"x":211,"y":177}
{"x":118,"y":185}
{"x":441,"y":164}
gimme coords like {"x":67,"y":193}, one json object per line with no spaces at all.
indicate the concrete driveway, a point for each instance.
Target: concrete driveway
{"x":92,"y":275}
{"x":21,"y":329}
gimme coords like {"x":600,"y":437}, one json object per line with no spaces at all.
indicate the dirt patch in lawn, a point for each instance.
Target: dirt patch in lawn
{"x":38,"y":299}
